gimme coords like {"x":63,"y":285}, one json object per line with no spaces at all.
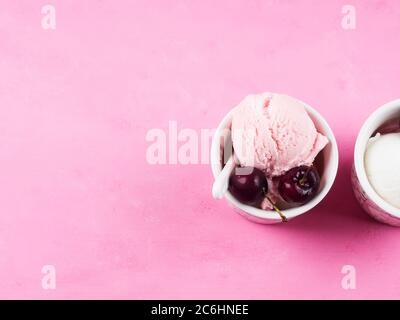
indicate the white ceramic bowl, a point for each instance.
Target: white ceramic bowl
{"x":330,"y":156}
{"x":369,"y":200}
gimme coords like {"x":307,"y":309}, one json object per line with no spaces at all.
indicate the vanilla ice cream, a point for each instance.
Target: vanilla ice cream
{"x":381,"y":160}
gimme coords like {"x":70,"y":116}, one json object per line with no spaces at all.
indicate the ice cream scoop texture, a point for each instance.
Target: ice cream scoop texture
{"x":274,"y":133}
{"x":381,"y":162}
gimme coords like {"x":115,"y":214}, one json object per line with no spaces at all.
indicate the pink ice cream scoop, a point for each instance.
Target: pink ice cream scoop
{"x":274,"y":133}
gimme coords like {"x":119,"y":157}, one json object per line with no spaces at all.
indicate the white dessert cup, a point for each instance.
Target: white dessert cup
{"x":369,"y":200}
{"x":330,"y":166}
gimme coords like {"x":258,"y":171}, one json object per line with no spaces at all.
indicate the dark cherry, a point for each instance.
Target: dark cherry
{"x":299,"y":185}
{"x":249,"y":186}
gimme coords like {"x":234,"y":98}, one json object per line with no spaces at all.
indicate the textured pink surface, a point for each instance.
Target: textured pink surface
{"x":77,"y":192}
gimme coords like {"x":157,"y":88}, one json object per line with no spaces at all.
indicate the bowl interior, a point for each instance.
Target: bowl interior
{"x":381,"y":116}
{"x":327,"y":164}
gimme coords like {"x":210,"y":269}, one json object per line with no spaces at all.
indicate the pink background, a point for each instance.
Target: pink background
{"x":77,"y":192}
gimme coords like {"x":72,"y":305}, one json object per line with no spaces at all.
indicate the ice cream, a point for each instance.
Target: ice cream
{"x":381,"y":161}
{"x":274,"y":133}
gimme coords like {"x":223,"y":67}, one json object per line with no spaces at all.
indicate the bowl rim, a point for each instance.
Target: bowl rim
{"x":380,"y":115}
{"x":292,"y":212}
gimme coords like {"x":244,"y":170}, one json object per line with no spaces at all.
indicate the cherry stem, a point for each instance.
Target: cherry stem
{"x":284,"y":219}
{"x":304,"y":178}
